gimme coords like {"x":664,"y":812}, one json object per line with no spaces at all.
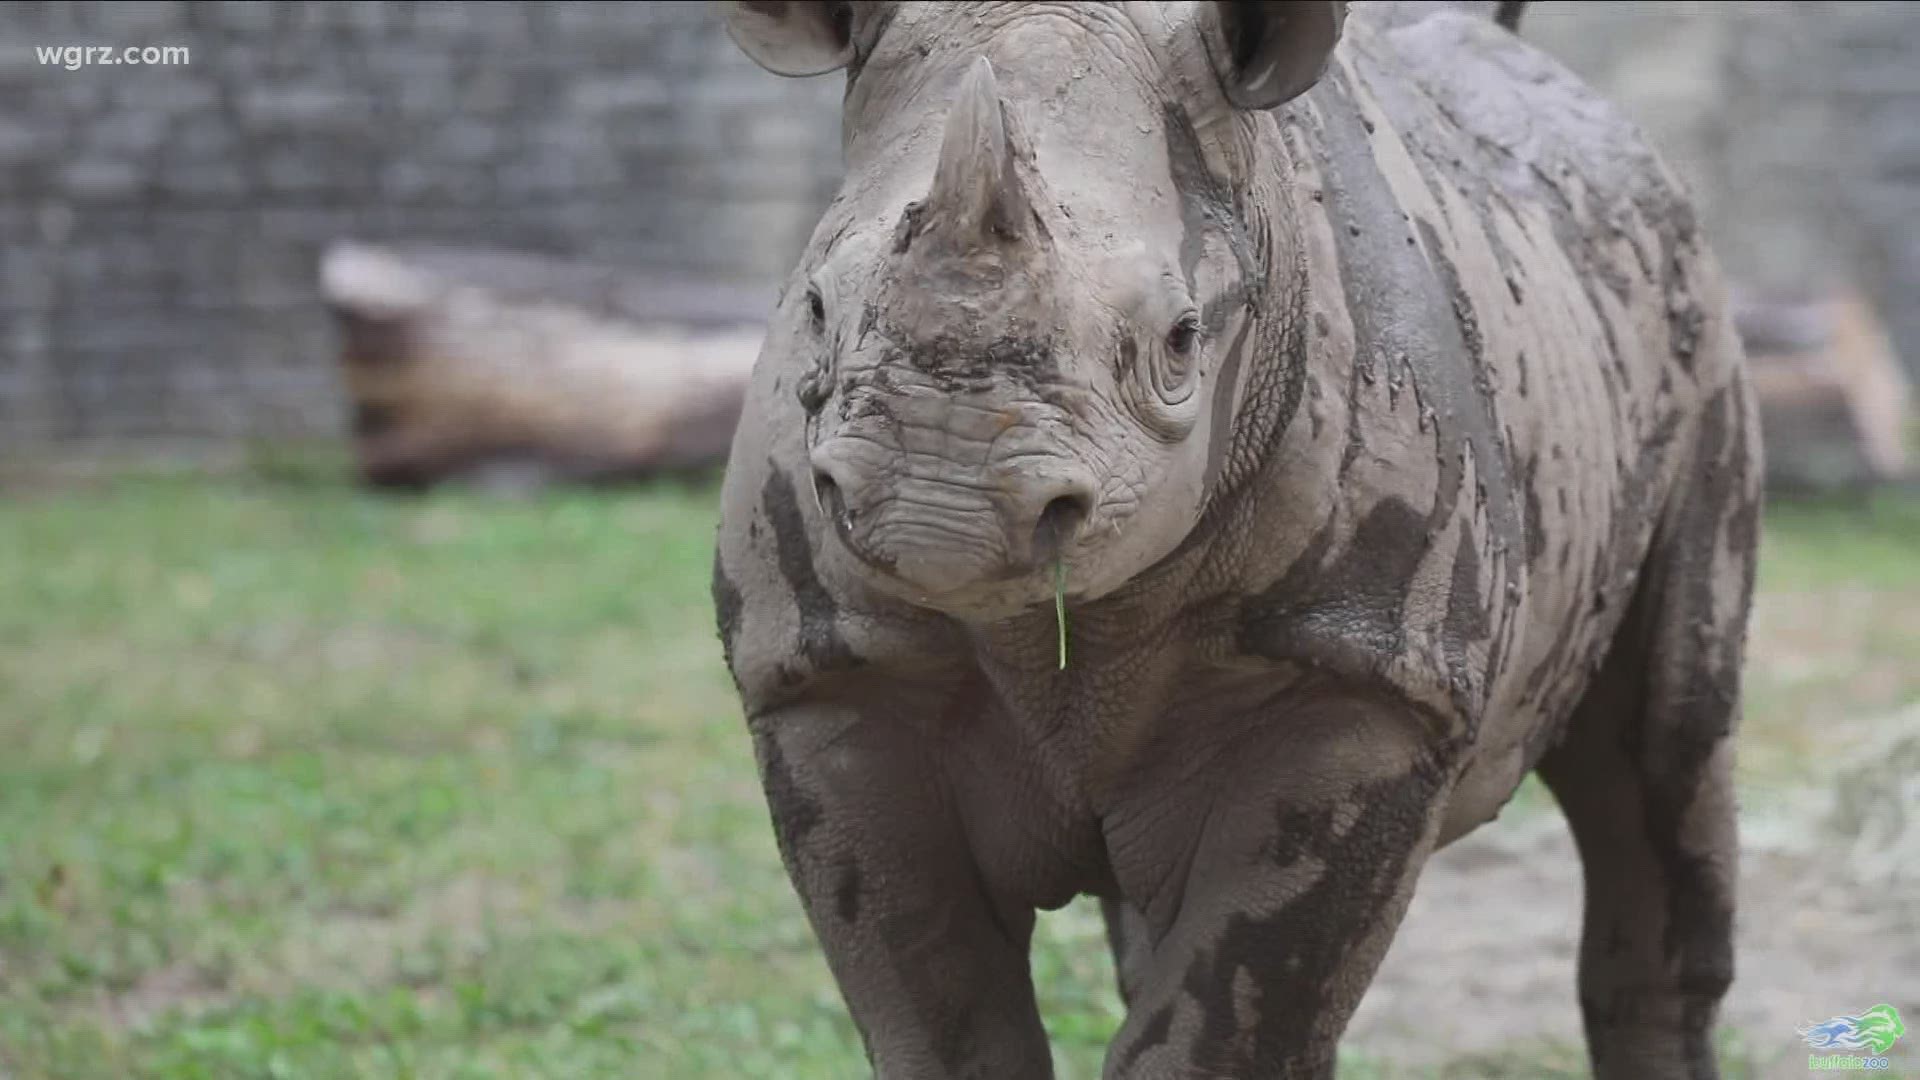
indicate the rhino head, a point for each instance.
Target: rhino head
{"x":1013,"y":337}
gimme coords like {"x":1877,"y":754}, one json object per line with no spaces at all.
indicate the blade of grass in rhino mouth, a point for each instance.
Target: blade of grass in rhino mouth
{"x":1060,"y":605}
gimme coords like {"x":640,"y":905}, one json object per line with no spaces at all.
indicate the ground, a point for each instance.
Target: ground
{"x":297,"y":781}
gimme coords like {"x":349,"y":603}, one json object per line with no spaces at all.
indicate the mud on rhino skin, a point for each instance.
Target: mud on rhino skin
{"x":1373,"y":389}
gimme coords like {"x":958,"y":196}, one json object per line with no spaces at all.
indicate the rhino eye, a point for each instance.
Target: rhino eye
{"x":816,"y":309}
{"x":1180,"y":339}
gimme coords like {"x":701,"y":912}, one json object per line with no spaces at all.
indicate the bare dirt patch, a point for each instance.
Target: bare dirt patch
{"x":1486,"y":956}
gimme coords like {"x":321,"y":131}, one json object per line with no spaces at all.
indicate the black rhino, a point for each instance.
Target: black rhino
{"x":1368,"y":396}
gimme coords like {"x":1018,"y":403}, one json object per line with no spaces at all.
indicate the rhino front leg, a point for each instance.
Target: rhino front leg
{"x":934,"y":971}
{"x":1303,"y":863}
{"x":1130,"y":940}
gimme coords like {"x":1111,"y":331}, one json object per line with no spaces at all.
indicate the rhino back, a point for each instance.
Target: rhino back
{"x":1519,"y":322}
{"x":1604,"y":427}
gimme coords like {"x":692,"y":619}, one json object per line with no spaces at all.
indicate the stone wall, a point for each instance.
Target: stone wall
{"x":160,"y":226}
{"x":1798,"y":125}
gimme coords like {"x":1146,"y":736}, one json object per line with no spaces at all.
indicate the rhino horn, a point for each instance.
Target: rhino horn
{"x":977,"y":191}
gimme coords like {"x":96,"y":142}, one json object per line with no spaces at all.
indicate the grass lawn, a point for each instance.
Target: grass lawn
{"x":301,"y":782}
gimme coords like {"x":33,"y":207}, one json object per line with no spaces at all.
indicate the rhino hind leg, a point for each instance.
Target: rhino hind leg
{"x":1644,"y":777}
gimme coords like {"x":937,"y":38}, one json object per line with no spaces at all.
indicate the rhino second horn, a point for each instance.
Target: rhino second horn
{"x":977,"y":191}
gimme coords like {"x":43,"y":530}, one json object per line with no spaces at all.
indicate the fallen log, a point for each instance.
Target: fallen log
{"x":479,"y":366}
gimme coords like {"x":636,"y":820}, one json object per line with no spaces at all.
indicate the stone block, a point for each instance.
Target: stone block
{"x":94,"y":180}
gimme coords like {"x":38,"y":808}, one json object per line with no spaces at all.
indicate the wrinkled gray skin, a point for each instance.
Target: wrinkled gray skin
{"x":1395,"y":442}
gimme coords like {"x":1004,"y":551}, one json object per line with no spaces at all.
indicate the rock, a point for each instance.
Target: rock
{"x":478,"y":366}
{"x":1834,"y":400}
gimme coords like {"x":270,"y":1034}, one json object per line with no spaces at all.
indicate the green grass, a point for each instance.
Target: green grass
{"x":1835,"y":643}
{"x":301,"y":782}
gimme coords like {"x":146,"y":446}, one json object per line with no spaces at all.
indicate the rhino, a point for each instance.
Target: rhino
{"x":1207,"y":455}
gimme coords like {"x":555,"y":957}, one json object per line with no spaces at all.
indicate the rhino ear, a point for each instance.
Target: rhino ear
{"x":792,"y":37}
{"x":1266,"y":52}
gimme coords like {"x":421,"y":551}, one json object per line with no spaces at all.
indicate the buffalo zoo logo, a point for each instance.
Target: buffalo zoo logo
{"x":1874,"y":1031}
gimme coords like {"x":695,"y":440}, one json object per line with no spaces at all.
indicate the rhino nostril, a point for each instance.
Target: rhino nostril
{"x":826,"y":496}
{"x":1059,"y":523}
